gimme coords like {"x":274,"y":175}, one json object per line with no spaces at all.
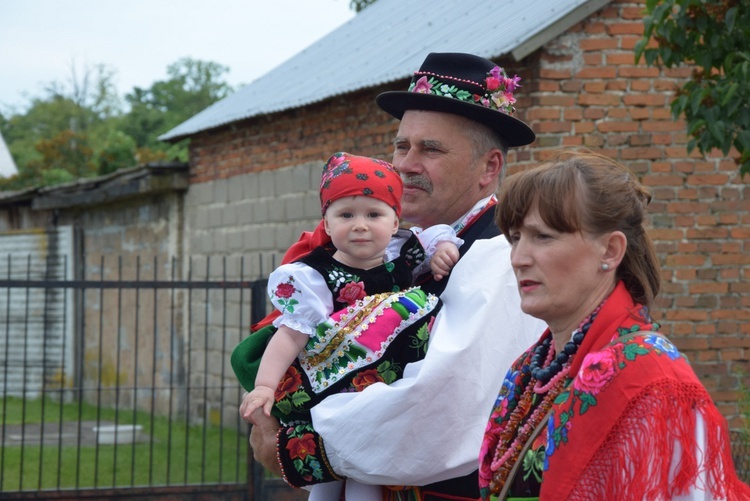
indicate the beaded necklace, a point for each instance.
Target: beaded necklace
{"x":523,"y":421}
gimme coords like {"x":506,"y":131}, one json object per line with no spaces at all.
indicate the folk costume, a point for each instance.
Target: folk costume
{"x":621,"y":416}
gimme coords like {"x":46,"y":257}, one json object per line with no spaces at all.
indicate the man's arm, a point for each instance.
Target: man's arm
{"x":263,"y":441}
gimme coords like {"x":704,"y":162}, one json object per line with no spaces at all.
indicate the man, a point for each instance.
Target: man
{"x":426,"y":428}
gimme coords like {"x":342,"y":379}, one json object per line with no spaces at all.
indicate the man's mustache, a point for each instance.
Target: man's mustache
{"x":417,"y":181}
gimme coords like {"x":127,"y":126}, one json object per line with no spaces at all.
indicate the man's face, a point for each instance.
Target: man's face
{"x":433,"y":153}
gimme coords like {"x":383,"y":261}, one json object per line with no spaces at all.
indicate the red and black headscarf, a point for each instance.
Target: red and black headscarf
{"x":347,"y":175}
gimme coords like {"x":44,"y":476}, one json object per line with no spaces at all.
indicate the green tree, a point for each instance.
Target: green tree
{"x":712,"y":36}
{"x":81,"y":128}
{"x":192,"y":86}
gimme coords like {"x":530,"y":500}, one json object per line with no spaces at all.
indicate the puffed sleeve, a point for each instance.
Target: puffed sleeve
{"x":430,"y":237}
{"x":301,"y":295}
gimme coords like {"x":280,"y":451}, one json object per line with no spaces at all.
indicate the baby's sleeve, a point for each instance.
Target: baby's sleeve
{"x":432,"y":236}
{"x":301,"y":295}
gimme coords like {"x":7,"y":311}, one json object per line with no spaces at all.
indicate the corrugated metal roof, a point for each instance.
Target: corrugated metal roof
{"x":388,"y":41}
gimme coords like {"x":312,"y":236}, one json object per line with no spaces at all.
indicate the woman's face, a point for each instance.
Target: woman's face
{"x":559,"y":274}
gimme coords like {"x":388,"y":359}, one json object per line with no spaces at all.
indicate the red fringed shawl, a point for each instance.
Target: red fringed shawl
{"x":625,"y":426}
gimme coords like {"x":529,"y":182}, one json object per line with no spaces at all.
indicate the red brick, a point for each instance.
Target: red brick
{"x":625,"y":28}
{"x":564,"y":101}
{"x":594,"y":44}
{"x":707,"y":233}
{"x":717,"y":179}
{"x":729,"y":259}
{"x":662,"y":180}
{"x":555,"y":74}
{"x":597,"y":72}
{"x":594,"y":113}
{"x":694,"y":315}
{"x":644,"y":100}
{"x":707,"y":288}
{"x":595,"y":87}
{"x":640,"y":86}
{"x":636,"y":153}
{"x":620,"y":58}
{"x":687,"y":207}
{"x":556,"y":126}
{"x":637,"y":72}
{"x":599,"y":100}
{"x":613,"y":126}
{"x":685,"y":260}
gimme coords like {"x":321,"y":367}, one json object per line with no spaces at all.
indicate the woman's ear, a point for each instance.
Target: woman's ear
{"x":615,"y":244}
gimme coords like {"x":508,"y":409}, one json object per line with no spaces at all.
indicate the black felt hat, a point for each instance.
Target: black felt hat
{"x":466,"y":85}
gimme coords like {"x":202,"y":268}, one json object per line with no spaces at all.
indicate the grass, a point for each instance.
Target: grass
{"x":174,"y":454}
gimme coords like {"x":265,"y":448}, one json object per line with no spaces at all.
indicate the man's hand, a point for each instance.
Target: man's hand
{"x":263,"y":440}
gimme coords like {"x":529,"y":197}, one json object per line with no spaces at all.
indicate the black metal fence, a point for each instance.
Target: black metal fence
{"x":115,"y":379}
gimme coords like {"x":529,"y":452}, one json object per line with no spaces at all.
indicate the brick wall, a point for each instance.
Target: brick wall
{"x":581,"y":89}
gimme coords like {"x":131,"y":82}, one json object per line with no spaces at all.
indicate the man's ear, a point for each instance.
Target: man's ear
{"x":492,"y":168}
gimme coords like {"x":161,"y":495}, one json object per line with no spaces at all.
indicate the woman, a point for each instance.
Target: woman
{"x":602,"y":406}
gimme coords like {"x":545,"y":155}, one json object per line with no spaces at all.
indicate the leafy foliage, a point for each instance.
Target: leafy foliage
{"x":81,"y":130}
{"x":712,"y":36}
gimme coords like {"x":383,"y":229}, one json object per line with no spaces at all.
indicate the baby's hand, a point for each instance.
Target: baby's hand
{"x":445,"y":258}
{"x":260,"y":397}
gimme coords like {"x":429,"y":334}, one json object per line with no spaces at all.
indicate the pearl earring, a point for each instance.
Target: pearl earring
{"x":605,"y":266}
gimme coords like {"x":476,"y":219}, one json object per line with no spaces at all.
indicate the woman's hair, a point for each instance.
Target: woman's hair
{"x":586,"y":192}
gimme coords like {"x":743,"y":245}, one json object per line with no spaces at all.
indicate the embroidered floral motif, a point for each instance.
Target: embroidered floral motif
{"x":303,"y":450}
{"x":414,"y":255}
{"x":290,"y":393}
{"x":419,"y":341}
{"x":351,"y":292}
{"x":498,"y":95}
{"x":284,"y":292}
{"x":435,"y":87}
{"x":365,"y":379}
{"x":338,"y":278}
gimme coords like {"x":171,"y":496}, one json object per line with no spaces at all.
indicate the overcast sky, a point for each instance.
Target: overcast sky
{"x":41,"y":40}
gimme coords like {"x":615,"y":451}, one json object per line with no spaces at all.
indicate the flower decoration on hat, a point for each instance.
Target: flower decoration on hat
{"x":498,"y":89}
